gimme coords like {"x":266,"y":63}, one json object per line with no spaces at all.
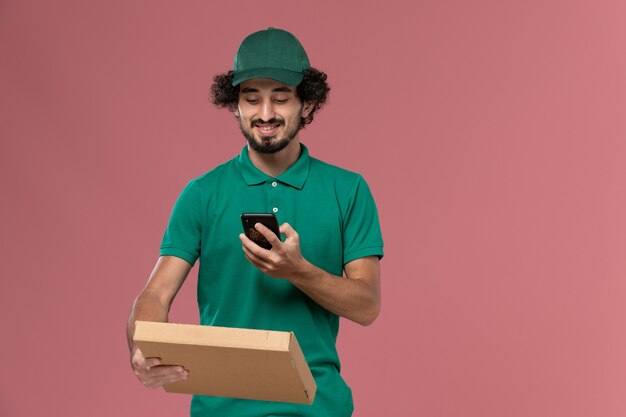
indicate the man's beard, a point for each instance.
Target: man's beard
{"x":268,"y":144}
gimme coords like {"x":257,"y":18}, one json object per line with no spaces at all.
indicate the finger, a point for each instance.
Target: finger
{"x":254,"y":259}
{"x":269,"y":235}
{"x":161,"y":375}
{"x":163,"y":380}
{"x":166,"y":370}
{"x":246,"y":241}
{"x":149,"y":363}
{"x":287,"y":230}
{"x":253,"y":247}
{"x":139,"y":360}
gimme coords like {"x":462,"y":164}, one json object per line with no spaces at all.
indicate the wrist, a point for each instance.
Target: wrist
{"x":302,"y":272}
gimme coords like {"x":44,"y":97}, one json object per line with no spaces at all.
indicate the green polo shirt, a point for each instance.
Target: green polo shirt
{"x":335,"y":216}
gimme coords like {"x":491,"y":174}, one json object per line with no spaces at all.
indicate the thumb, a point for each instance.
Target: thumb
{"x":138,"y":359}
{"x":288,"y":231}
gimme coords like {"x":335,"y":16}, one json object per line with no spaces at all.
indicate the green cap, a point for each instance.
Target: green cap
{"x":271,"y":53}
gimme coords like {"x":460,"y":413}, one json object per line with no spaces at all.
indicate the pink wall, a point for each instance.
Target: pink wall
{"x":493,"y":136}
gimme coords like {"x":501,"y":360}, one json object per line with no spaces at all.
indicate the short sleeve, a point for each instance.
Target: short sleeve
{"x":361,"y":228}
{"x":183,"y":234}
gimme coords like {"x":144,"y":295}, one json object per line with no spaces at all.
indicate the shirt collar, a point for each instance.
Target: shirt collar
{"x":295,"y":175}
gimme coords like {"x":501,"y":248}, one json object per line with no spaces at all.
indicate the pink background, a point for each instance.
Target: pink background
{"x":492,"y":134}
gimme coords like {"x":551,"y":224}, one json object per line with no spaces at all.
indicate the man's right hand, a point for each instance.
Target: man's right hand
{"x":152,"y":374}
{"x":153,"y":304}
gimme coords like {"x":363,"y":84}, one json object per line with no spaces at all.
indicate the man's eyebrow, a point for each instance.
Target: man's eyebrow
{"x":283,"y":89}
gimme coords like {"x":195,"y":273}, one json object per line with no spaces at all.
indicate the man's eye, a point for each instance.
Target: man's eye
{"x":281,"y":100}
{"x":252,"y":100}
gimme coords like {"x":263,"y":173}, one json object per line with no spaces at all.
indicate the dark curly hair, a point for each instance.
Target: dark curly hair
{"x":313,"y":88}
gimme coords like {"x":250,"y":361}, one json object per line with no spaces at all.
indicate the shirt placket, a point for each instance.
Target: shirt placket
{"x":274,"y":196}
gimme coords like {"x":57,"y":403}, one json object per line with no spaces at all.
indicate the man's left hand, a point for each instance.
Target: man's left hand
{"x":284,"y":260}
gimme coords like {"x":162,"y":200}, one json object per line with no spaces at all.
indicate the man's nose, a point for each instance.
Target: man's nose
{"x":267,"y":111}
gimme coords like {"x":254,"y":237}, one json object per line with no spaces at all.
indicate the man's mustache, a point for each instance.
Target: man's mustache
{"x":272,"y":121}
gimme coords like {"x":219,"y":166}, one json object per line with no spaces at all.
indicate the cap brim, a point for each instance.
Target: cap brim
{"x":284,"y":76}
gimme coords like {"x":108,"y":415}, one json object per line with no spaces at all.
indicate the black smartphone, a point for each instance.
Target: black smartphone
{"x":266,"y":219}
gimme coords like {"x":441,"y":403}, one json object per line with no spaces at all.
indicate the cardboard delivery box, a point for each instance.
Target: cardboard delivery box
{"x":229,"y":362}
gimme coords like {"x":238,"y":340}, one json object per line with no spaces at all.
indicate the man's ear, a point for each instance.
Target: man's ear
{"x":237,"y":113}
{"x":307,"y":108}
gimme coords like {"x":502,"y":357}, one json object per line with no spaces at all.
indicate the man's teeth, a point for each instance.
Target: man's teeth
{"x":267,"y":128}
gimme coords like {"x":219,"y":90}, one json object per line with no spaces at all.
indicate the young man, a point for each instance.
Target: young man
{"x":328,"y":217}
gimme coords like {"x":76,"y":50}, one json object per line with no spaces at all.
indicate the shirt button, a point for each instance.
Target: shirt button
{"x":274,"y":184}
{"x":275,"y":209}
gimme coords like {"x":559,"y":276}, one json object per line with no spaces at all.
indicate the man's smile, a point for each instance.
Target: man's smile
{"x":267,"y":129}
